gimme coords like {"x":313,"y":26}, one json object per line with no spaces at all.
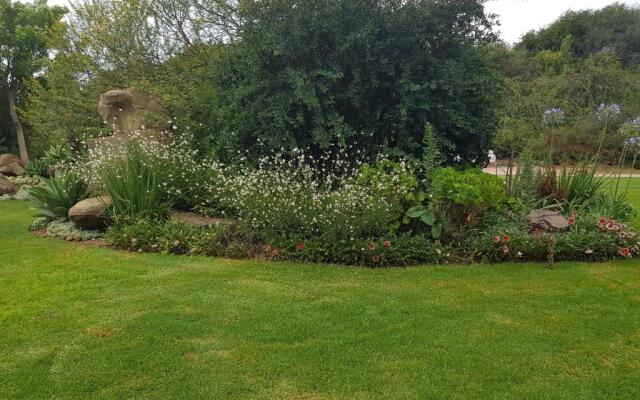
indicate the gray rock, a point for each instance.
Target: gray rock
{"x":201,"y":221}
{"x":547,"y":220}
{"x":10,"y":164}
{"x":6,"y":186}
{"x":91,"y":213}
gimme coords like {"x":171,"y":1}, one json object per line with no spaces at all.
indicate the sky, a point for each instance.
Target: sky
{"x":518,"y":17}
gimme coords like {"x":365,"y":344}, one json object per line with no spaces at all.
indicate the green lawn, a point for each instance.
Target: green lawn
{"x":86,"y":323}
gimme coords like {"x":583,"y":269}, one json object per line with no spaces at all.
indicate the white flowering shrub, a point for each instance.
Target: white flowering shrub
{"x":299,"y":198}
{"x":181,"y":175}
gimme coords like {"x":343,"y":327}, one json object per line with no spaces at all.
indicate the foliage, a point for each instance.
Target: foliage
{"x":579,"y":184}
{"x":369,"y":74}
{"x":428,"y":217}
{"x":66,"y":230}
{"x":176,"y":238}
{"x":292,"y":199}
{"x":58,"y":154}
{"x":394,"y":251}
{"x":463,"y":196}
{"x":431,"y":157}
{"x":590,"y":238}
{"x":614,"y":27}
{"x":25,"y":30}
{"x":58,"y":195}
{"x":132,"y":183}
{"x":36,"y":167}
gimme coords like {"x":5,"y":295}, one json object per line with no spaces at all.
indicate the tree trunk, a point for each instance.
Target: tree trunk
{"x":22,"y":145}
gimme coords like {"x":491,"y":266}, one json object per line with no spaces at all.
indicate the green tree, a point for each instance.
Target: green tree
{"x":25,"y":29}
{"x":616,"y":28}
{"x":365,"y":73}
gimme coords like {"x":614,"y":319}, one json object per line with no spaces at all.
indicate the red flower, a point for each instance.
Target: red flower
{"x":386,"y":244}
{"x":572,"y":221}
{"x":299,"y":247}
{"x":373,"y":246}
{"x":496,"y":239}
{"x":375,"y":259}
{"x":602,"y":221}
{"x":506,"y":239}
{"x":625,"y":252}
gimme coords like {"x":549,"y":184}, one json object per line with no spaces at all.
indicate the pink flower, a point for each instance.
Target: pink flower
{"x":625,"y":252}
{"x":506,"y":250}
{"x":496,"y":239}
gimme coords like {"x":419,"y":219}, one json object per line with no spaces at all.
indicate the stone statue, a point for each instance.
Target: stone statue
{"x":129,"y":110}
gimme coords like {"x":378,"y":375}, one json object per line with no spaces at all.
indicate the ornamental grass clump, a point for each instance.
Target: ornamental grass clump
{"x":58,"y":195}
{"x":131,"y":182}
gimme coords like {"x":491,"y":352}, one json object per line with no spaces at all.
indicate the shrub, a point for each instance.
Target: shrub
{"x":36,"y":167}
{"x":464,"y":196}
{"x":300,"y":198}
{"x":402,"y":250}
{"x":590,"y":238}
{"x":181,"y":176}
{"x":57,"y":154}
{"x":132,"y":184}
{"x":176,"y":238}
{"x":58,"y":195}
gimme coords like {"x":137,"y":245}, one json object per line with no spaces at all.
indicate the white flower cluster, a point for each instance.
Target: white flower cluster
{"x":291,"y":196}
{"x":301,"y":197}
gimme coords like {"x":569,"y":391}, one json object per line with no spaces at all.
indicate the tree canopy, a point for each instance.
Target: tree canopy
{"x":365,"y":73}
{"x":615,"y":28}
{"x":25,"y":30}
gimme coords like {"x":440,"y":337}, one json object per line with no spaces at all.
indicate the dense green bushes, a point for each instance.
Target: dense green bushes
{"x":368,"y":74}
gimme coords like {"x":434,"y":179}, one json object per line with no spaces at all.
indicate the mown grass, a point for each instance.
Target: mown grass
{"x":85,"y":323}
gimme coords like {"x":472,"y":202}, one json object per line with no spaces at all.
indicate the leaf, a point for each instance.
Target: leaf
{"x":416,"y":212}
{"x":428,"y":217}
{"x":436,"y":231}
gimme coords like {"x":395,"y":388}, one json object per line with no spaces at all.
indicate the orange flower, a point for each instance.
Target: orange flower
{"x":373,"y":246}
{"x":506,"y":239}
{"x":572,"y":221}
{"x":386,"y":244}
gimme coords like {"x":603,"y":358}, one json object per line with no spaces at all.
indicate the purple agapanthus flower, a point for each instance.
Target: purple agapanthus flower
{"x":553,"y":116}
{"x":608,"y":111}
{"x":635,"y":124}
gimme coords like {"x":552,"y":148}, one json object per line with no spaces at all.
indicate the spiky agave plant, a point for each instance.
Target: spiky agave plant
{"x":58,"y":195}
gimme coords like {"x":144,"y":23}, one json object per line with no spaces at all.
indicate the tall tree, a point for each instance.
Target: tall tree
{"x":367,"y":73}
{"x":25,"y":29}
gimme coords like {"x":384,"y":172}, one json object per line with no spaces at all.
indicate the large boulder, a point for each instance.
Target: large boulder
{"x":547,"y":220}
{"x":10,"y":164}
{"x":91,"y":214}
{"x":6,"y":186}
{"x":130,"y":110}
